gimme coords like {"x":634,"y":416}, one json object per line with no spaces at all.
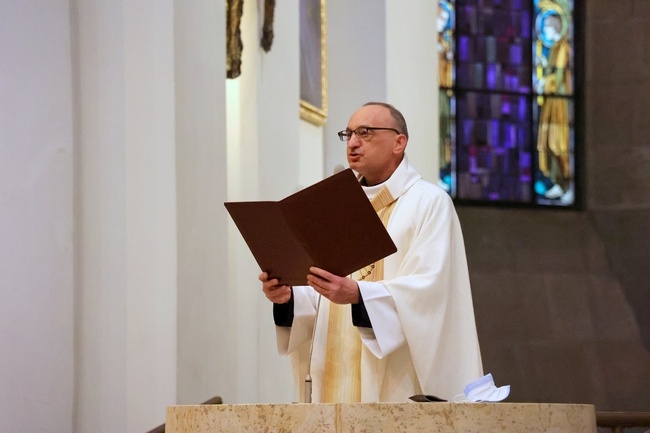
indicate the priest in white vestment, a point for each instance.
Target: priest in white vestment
{"x":404,"y":325}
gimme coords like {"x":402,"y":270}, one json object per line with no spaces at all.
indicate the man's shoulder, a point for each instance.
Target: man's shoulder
{"x":416,"y":187}
{"x":427,"y":200}
{"x":425,"y":189}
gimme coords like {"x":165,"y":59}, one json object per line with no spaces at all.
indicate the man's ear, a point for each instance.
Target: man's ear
{"x":400,"y":144}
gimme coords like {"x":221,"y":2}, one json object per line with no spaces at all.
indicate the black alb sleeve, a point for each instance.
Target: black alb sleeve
{"x":360,"y":314}
{"x":283,"y":313}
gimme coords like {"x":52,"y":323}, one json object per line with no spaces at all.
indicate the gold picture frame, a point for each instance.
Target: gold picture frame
{"x":313,"y":61}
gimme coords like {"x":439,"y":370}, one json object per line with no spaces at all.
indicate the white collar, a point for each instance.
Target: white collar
{"x":399,"y":181}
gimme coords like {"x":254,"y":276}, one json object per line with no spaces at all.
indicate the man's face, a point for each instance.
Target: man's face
{"x":377,"y":156}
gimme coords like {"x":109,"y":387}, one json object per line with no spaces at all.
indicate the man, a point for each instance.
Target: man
{"x":404,"y":325}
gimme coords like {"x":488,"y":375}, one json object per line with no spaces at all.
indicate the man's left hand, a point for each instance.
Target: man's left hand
{"x":340,"y":290}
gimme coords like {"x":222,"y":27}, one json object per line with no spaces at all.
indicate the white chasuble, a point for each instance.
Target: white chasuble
{"x":423,"y":338}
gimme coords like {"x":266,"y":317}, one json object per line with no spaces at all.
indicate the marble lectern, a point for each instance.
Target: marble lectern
{"x":383,"y":418}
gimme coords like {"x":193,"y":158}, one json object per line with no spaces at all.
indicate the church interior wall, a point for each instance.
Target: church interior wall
{"x":36,"y":218}
{"x":356,"y":67}
{"x":125,"y":223}
{"x":562,"y":298}
{"x":202,"y":186}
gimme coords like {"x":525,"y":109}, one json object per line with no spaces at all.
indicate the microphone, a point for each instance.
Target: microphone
{"x":337,"y":169}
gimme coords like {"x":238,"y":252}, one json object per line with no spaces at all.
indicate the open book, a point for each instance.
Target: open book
{"x":330,"y":225}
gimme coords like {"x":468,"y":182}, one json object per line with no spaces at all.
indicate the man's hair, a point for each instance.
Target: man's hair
{"x":395,"y":114}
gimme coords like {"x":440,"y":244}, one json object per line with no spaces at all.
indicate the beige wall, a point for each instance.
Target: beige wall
{"x":127,"y":286}
{"x":125,"y":221}
{"x":201,"y":188}
{"x":36,"y":218}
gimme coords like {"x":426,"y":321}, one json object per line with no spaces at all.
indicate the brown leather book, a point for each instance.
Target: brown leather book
{"x":330,"y":224}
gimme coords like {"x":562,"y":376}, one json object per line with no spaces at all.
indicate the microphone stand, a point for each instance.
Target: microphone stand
{"x":337,"y":169}
{"x":311,"y":351}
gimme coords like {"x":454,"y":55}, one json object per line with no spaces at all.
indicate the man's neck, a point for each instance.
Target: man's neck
{"x":383,"y":178}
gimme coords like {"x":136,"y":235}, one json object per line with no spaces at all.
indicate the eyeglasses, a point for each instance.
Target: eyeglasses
{"x":362,"y":132}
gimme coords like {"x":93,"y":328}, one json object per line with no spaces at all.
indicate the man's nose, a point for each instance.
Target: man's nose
{"x":353,"y":141}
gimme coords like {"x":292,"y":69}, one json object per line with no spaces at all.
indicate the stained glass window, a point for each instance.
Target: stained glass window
{"x":507,"y":109}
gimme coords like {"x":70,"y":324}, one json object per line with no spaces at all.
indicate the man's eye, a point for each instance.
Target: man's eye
{"x":362,"y":132}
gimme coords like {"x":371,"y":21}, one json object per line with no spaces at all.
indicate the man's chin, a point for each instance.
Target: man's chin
{"x":353,"y":163}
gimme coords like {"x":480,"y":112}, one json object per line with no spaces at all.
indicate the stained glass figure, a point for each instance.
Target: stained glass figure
{"x":506,"y":100}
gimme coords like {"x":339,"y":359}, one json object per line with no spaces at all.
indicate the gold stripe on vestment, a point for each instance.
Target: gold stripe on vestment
{"x":342,"y":375}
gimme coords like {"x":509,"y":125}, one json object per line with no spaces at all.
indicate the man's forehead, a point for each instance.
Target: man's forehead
{"x":369,"y":113}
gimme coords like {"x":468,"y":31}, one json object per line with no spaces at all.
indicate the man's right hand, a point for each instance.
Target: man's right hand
{"x":274,"y":291}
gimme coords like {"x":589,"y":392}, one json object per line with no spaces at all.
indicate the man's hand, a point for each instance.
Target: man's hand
{"x":274,"y":291}
{"x":340,"y":290}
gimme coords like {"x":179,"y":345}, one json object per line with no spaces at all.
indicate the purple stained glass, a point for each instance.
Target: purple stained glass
{"x":495,"y":128}
{"x":509,"y":135}
{"x":483,"y":156}
{"x":464,"y":47}
{"x":505,"y":108}
{"x":524,"y":21}
{"x":492,"y":76}
{"x":524,"y":138}
{"x":516,"y":54}
{"x":485,"y":22}
{"x":463,"y":134}
{"x":525,"y":161}
{"x":466,"y":22}
{"x":494,"y":140}
{"x":490,"y":49}
{"x":511,"y":80}
{"x":523,"y":110}
{"x":477,"y":75}
{"x":503,"y":24}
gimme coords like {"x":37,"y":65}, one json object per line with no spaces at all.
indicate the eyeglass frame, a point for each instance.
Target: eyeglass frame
{"x":346,"y":134}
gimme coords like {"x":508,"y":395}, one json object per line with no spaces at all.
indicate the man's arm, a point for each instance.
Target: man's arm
{"x":360,"y":316}
{"x":283,"y":313}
